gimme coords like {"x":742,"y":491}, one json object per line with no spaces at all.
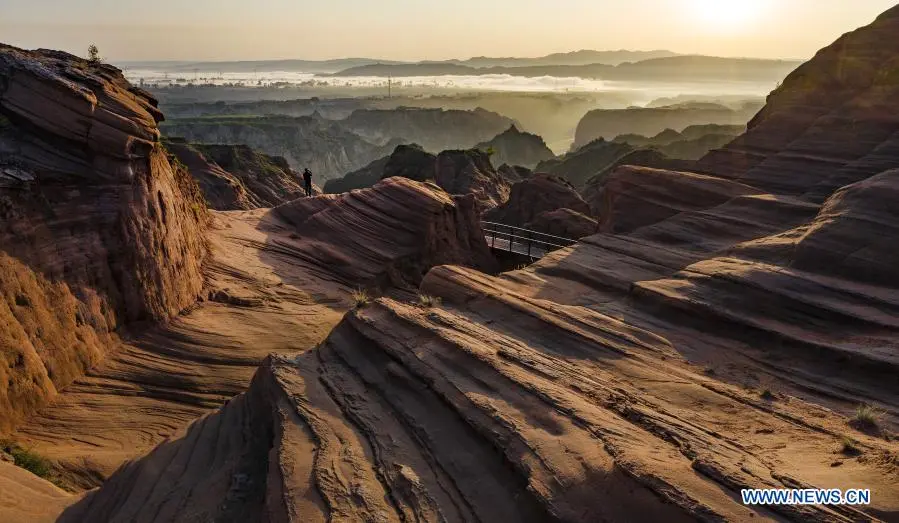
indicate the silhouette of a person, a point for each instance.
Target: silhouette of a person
{"x":307,"y":177}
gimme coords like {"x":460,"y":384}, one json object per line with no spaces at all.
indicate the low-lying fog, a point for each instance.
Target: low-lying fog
{"x":638,"y":93}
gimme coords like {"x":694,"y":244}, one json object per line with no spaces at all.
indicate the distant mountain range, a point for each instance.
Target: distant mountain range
{"x":574,"y":58}
{"x":672,"y":68}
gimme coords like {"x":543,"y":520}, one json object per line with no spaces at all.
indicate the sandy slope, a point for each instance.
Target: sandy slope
{"x":165,"y":377}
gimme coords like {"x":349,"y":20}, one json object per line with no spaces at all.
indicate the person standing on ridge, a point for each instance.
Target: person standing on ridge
{"x":307,"y":177}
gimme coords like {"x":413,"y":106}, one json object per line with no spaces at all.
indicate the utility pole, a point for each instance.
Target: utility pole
{"x":389,"y":87}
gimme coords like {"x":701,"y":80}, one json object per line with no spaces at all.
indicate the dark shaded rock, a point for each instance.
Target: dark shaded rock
{"x":411,"y":161}
{"x":538,"y":194}
{"x":514,"y":173}
{"x":364,"y":177}
{"x":609,"y":123}
{"x":564,"y":223}
{"x":516,"y":148}
{"x":632,"y":197}
{"x":580,"y":165}
{"x":470,"y":172}
{"x":237,"y":177}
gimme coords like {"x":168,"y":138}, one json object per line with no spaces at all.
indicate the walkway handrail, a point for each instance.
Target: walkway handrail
{"x":525,"y":238}
{"x":566,"y":241}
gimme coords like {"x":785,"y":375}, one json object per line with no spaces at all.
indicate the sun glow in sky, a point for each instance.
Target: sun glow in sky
{"x":429,"y":29}
{"x":730,"y":15}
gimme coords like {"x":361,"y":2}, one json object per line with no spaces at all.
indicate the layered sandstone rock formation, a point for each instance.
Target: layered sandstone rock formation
{"x":718,"y":336}
{"x":515,"y":147}
{"x":98,"y":229}
{"x":390,"y":234}
{"x":237,"y":177}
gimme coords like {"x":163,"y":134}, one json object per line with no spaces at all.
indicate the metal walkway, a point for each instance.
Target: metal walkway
{"x":525,"y":242}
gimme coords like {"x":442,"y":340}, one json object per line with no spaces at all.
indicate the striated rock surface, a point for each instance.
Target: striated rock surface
{"x":516,"y":148}
{"x":830,"y":123}
{"x":98,"y":229}
{"x":390,"y":234}
{"x":633,"y":197}
{"x":536,"y":195}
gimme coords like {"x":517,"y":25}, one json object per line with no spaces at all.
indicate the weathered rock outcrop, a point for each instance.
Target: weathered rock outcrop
{"x":434,"y":129}
{"x":98,"y":229}
{"x":693,"y":132}
{"x":411,"y":161}
{"x":536,"y":195}
{"x":470,"y":172}
{"x":237,"y":177}
{"x":516,"y":148}
{"x":633,"y":197}
{"x":221,"y":189}
{"x":609,"y":123}
{"x":390,"y":234}
{"x":269,"y":180}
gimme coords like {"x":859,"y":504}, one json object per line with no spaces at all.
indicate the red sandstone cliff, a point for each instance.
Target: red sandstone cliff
{"x":98,"y":229}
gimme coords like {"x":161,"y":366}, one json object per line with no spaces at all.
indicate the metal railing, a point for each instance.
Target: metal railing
{"x":530,"y":243}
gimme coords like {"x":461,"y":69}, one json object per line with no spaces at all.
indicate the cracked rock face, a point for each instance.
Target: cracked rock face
{"x":98,"y":229}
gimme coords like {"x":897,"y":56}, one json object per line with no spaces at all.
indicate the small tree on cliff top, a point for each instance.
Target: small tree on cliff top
{"x":93,"y":54}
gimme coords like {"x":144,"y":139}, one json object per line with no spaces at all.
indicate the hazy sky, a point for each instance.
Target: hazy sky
{"x":428,"y":29}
